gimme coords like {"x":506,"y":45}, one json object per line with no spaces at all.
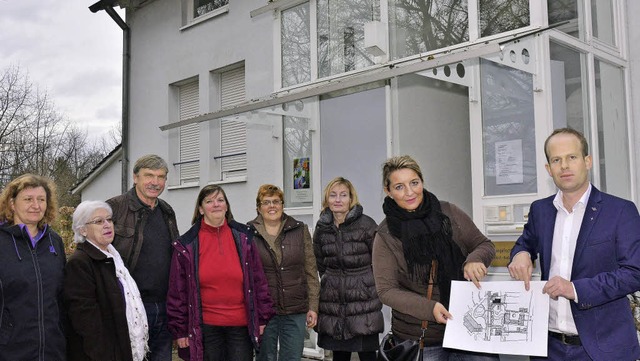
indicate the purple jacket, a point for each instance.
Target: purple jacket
{"x":183,"y":299}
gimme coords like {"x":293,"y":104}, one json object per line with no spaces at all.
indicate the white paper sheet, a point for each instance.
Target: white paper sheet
{"x":509,"y":162}
{"x":501,"y":318}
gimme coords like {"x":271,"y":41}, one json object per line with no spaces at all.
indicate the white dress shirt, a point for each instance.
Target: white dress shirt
{"x":565,"y":235}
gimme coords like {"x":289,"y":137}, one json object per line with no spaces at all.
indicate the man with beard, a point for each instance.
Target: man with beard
{"x":145,"y":226}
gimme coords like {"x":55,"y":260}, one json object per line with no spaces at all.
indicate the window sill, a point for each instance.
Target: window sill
{"x":297,"y":211}
{"x":275,"y":6}
{"x":228,"y":181}
{"x":183,"y":186}
{"x":212,"y":14}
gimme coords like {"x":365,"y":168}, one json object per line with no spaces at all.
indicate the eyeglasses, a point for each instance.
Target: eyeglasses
{"x":275,"y":202}
{"x":100,"y":221}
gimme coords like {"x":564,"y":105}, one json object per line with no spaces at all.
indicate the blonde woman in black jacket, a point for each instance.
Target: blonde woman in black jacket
{"x":349,"y":317}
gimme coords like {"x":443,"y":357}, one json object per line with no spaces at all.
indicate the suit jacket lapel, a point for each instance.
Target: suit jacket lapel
{"x":591,"y":214}
{"x":549,"y":212}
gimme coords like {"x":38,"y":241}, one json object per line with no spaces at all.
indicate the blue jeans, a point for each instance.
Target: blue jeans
{"x":160,"y":340}
{"x":438,"y":353}
{"x":290,"y":331}
{"x":223,"y":343}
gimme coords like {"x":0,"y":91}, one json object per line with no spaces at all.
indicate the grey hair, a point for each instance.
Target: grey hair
{"x":150,"y":161}
{"x":82,"y":215}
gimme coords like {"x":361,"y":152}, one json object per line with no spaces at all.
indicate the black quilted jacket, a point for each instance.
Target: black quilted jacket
{"x":349,"y":305}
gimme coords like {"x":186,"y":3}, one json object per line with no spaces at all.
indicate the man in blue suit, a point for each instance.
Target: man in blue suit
{"x":589,"y":247}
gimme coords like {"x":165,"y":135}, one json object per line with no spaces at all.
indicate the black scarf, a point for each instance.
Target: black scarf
{"x":426,"y":235}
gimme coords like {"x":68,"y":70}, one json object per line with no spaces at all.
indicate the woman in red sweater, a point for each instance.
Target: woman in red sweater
{"x":218,"y":302}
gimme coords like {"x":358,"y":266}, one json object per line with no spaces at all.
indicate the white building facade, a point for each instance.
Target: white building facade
{"x":297,"y":92}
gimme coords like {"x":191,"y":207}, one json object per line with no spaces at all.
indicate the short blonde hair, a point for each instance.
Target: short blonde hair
{"x":353,"y":195}
{"x":19,"y":184}
{"x":397,"y":163}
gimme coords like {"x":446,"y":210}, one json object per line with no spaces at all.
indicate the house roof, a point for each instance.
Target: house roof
{"x":114,"y":155}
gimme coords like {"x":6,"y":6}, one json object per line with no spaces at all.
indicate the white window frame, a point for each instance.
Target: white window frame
{"x":188,"y":19}
{"x":535,"y":21}
{"x":595,"y":50}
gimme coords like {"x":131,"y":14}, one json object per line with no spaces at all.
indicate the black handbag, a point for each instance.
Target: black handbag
{"x":408,"y":350}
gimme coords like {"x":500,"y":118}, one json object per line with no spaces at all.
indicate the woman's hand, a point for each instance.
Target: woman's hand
{"x":474,"y":272}
{"x":183,"y":342}
{"x":440,"y":313}
{"x":262,"y":327}
{"x":312,"y":319}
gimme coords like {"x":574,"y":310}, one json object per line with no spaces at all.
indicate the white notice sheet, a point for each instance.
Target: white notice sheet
{"x":501,"y":318}
{"x":509,"y":162}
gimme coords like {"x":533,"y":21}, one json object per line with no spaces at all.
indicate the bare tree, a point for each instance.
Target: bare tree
{"x":113,"y":138}
{"x":562,"y":10}
{"x":497,"y":16}
{"x":297,"y":140}
{"x":341,"y":35}
{"x":35,"y":138}
{"x":16,"y":110}
{"x":296,"y":40}
{"x":425,"y":25}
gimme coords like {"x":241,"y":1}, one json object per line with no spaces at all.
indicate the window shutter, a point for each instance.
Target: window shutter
{"x":233,"y":135}
{"x":189,"y":134}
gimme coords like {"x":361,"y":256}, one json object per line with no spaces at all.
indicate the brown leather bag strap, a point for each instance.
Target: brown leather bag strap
{"x":432,"y":278}
{"x":425,"y":323}
{"x":434,"y":264}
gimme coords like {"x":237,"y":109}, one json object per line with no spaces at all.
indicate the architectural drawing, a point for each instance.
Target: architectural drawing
{"x":499,"y":316}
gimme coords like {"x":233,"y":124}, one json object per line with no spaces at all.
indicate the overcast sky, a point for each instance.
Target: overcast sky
{"x":72,"y":53}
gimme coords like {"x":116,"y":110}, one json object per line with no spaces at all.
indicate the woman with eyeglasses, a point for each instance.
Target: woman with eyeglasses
{"x":287,"y":257}
{"x":31,"y":272}
{"x":218,"y":302}
{"x":350,"y":317}
{"x":107,"y":317}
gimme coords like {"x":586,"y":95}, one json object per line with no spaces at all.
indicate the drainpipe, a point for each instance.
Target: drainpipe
{"x":107,"y":5}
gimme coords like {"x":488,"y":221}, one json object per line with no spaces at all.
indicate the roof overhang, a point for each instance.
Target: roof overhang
{"x":115,"y":154}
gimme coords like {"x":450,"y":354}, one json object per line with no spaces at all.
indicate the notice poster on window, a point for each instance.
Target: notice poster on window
{"x":509,"y":165}
{"x":301,"y":180}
